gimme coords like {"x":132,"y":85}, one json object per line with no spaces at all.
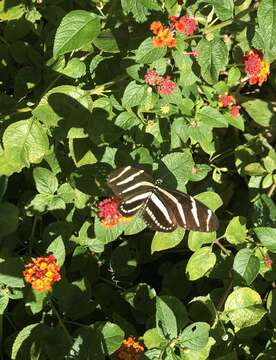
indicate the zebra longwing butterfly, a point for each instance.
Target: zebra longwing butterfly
{"x":161,"y":208}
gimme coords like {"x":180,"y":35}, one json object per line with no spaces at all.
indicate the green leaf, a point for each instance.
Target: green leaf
{"x":163,"y":241}
{"x":75,"y":68}
{"x":35,"y":300}
{"x":212,"y":117}
{"x":25,"y":142}
{"x":246,"y":265}
{"x":4,"y":301}
{"x":23,"y":335}
{"x":106,"y":42}
{"x":180,"y":166}
{"x":210,"y":199}
{"x":139,"y":8}
{"x":126,"y":120}
{"x":195,"y":336}
{"x":236,"y":231}
{"x":267,"y":27}
{"x":260,"y":111}
{"x":171,"y":316}
{"x":46,"y":202}
{"x":234,"y":75}
{"x":213,"y":58}
{"x":147,"y":53}
{"x":112,"y":337}
{"x":12,"y":11}
{"x":135,"y":225}
{"x":9,"y":218}
{"x":237,"y":122}
{"x":133,"y":94}
{"x":76,"y":29}
{"x":200,"y":263}
{"x":267,"y":236}
{"x":223,"y":8}
{"x":152,"y":339}
{"x":11,"y":270}
{"x":271,"y":305}
{"x":244,"y":307}
{"x":45,"y":181}
{"x":196,"y":239}
{"x":57,"y":249}
{"x":107,"y":235}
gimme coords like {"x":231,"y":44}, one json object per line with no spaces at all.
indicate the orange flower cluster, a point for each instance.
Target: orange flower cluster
{"x":163,"y":36}
{"x":42,"y":273}
{"x":255,"y":67}
{"x":228,"y":101}
{"x":109,"y":213}
{"x":130,"y":350}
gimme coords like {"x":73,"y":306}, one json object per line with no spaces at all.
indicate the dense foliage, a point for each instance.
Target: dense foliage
{"x":185,"y":89}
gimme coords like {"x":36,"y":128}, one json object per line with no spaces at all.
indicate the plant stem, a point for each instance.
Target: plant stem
{"x":271,"y":190}
{"x":61,"y":322}
{"x":32,"y":236}
{"x":217,"y":242}
{"x":230,"y":21}
{"x":225,"y":295}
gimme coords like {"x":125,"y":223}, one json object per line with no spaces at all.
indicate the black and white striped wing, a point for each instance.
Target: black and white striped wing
{"x":190,"y":213}
{"x":157,"y":214}
{"x":133,"y":186}
{"x":162,"y":209}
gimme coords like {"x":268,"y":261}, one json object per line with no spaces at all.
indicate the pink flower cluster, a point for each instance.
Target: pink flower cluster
{"x":165,"y":86}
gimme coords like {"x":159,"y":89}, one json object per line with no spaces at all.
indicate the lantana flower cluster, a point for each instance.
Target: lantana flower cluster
{"x":109,"y":213}
{"x":228,"y":101}
{"x":165,"y":86}
{"x":255,"y":67}
{"x":42,"y":273}
{"x":130,"y":350}
{"x":164,"y":36}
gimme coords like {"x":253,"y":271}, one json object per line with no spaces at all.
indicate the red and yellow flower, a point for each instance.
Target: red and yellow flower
{"x":109,"y":213}
{"x":228,"y":101}
{"x":165,"y":86}
{"x":184,"y":24}
{"x":130,"y":350}
{"x":42,"y":273}
{"x":163,"y":35}
{"x":255,"y":67}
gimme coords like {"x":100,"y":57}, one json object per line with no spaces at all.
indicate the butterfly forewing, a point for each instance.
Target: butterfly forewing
{"x":128,"y":181}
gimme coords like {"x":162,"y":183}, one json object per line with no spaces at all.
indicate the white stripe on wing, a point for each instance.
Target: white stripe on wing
{"x":130,"y":178}
{"x":120,"y":174}
{"x":176,"y":202}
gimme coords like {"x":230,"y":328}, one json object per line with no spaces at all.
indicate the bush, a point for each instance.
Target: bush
{"x":185,"y":89}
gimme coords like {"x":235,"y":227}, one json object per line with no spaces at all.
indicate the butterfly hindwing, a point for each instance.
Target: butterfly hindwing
{"x":191,"y":213}
{"x":157,"y":215}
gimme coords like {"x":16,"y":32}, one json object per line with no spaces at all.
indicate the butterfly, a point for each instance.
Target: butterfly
{"x":161,"y":208}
